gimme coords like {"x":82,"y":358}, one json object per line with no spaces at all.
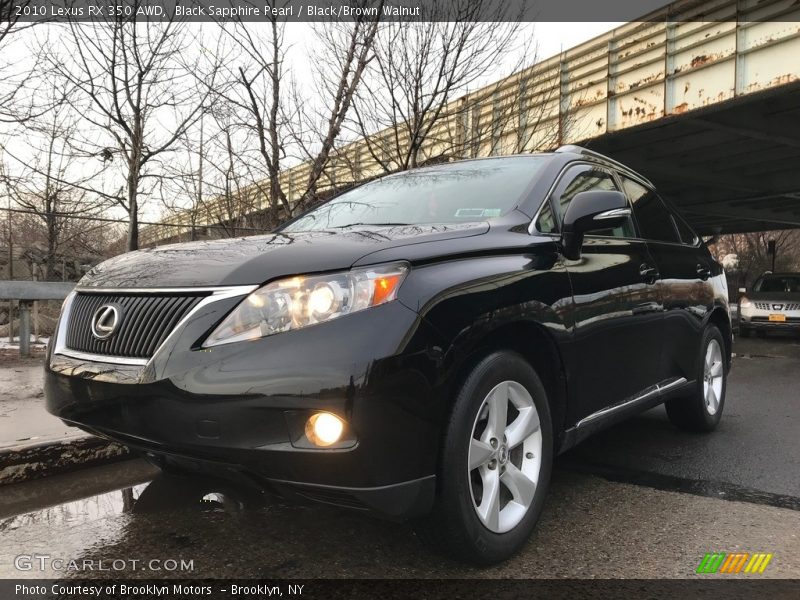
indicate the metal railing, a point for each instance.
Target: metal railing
{"x":26,"y":293}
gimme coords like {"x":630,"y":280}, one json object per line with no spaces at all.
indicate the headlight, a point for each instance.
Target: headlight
{"x":745,"y":303}
{"x":301,"y":301}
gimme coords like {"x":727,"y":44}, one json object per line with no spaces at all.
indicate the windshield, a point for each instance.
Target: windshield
{"x":452,"y":193}
{"x":781,"y":284}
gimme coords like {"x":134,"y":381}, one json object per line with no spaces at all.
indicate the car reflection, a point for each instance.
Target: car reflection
{"x":171,"y":492}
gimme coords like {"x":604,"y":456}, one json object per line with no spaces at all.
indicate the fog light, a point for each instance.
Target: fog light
{"x":324,"y":429}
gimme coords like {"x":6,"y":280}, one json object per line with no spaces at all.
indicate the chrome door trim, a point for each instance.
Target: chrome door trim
{"x":648,"y":394}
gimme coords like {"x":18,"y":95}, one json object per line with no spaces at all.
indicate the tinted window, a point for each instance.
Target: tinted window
{"x":590,"y":179}
{"x":688,"y":236}
{"x":546,"y":223}
{"x":655,"y":221}
{"x":458,"y":192}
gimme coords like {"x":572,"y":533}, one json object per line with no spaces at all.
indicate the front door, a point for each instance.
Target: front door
{"x":618,"y":312}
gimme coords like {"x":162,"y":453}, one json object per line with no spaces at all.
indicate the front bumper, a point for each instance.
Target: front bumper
{"x":759,"y":319}
{"x":241,"y":407}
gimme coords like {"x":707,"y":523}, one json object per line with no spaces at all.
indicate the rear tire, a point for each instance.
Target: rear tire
{"x":495,"y":463}
{"x":701,"y":410}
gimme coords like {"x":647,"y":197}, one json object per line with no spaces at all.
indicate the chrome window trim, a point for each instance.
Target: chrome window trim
{"x":217,"y":294}
{"x":532,"y":230}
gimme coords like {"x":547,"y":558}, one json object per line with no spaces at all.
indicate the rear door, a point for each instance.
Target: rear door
{"x":685,"y":268}
{"x":616,"y":345}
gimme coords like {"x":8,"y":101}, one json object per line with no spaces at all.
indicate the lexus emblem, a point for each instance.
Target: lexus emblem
{"x":105,"y":321}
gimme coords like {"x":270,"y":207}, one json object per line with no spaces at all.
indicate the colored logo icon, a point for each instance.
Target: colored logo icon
{"x":734,"y":562}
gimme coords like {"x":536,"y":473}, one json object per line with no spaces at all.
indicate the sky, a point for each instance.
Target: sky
{"x":551,"y":38}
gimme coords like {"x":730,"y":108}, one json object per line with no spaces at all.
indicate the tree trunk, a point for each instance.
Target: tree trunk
{"x":133,"y":207}
{"x":50,"y":266}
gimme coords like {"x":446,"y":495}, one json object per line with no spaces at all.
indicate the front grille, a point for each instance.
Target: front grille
{"x":783,"y":306}
{"x":146,"y":321}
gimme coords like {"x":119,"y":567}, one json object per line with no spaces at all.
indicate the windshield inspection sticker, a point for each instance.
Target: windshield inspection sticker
{"x":478,"y":212}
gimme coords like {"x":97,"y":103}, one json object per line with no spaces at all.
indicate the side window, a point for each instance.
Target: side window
{"x":688,"y":236}
{"x":592,"y":179}
{"x":655,"y":221}
{"x":546,"y":223}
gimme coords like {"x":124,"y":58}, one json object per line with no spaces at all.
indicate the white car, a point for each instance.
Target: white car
{"x":772,"y":305}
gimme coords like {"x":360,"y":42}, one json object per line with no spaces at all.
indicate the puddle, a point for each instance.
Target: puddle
{"x":710,"y":489}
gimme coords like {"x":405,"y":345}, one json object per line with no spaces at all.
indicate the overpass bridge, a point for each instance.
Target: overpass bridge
{"x":701,"y":97}
{"x":709,"y":111}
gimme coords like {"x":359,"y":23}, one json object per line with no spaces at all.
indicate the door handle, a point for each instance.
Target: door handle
{"x":649,"y":272}
{"x":703,"y":271}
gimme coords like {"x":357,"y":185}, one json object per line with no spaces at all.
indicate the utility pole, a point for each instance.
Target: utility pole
{"x":10,"y":276}
{"x":772,"y":249}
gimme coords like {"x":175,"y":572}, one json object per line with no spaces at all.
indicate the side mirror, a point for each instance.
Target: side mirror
{"x":591,"y":211}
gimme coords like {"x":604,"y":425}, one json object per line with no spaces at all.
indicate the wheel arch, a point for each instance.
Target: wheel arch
{"x":719,"y":317}
{"x":537,"y":346}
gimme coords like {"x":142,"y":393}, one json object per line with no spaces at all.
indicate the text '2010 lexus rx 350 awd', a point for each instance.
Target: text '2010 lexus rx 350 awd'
{"x":420,"y":346}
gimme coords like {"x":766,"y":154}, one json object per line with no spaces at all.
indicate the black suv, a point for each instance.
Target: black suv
{"x":420,"y":346}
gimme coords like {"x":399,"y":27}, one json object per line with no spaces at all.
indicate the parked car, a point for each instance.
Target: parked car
{"x":773,"y":304}
{"x":420,"y":346}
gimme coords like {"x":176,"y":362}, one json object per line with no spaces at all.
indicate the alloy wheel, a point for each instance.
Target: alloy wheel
{"x":713,"y":372}
{"x":505,"y":456}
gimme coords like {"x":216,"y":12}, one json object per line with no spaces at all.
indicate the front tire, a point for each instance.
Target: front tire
{"x":495,"y":465}
{"x":702,"y":409}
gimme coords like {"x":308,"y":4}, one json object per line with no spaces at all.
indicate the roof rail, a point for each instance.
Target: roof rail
{"x":574,"y":149}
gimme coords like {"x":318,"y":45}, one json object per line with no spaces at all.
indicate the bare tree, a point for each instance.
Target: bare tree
{"x":258,"y":93}
{"x":135,"y":86}
{"x":520,"y":113}
{"x":420,"y":69}
{"x":39,"y":184}
{"x":345,"y":52}
{"x":274,"y":113}
{"x":752,"y":257}
{"x":20,"y":67}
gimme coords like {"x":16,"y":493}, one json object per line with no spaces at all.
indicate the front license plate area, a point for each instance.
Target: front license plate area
{"x":777,"y":318}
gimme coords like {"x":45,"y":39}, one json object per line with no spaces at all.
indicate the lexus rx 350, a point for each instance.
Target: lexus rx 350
{"x":420,"y":346}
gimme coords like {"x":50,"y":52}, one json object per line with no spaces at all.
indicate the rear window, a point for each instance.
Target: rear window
{"x":655,"y":221}
{"x":453,"y":193}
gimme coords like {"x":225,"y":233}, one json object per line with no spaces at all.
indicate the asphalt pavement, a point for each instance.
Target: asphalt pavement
{"x":641,"y":500}
{"x":754,"y":452}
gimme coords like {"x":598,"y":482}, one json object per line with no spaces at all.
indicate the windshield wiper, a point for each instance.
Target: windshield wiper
{"x":373,"y":224}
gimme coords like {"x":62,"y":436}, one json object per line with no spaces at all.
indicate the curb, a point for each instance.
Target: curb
{"x":32,"y":461}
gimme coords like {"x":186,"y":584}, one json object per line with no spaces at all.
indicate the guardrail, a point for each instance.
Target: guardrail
{"x":26,"y":292}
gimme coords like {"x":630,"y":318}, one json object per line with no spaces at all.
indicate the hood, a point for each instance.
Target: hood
{"x":255,"y":260}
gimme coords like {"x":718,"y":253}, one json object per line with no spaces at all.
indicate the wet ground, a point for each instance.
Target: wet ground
{"x":23,"y":418}
{"x":641,"y":500}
